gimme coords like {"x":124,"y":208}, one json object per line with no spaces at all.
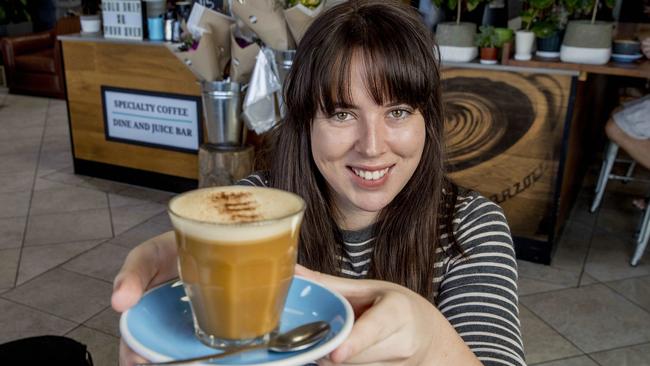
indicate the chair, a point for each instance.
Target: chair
{"x":605,"y":175}
{"x":33,"y":63}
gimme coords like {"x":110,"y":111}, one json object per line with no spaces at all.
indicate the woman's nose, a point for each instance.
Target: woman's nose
{"x":371,"y":141}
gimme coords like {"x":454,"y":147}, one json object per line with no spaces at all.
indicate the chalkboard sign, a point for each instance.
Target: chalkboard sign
{"x":122,"y":19}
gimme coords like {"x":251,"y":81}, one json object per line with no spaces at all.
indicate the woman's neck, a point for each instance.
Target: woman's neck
{"x":353,"y":219}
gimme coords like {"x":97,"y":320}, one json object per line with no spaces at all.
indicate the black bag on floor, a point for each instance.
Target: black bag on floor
{"x":45,"y":350}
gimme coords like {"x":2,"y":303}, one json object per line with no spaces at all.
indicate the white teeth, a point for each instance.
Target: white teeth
{"x":370,"y":175}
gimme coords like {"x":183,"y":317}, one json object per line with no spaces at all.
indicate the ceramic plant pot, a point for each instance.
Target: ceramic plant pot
{"x":587,"y":43}
{"x":549,"y":47}
{"x":524,"y":42}
{"x":90,"y":23}
{"x":489,"y":55}
{"x":456,"y":42}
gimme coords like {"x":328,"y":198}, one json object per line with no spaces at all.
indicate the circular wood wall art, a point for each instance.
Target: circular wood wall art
{"x":483,"y":118}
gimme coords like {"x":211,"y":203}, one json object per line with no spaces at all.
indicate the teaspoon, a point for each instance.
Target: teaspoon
{"x":296,"y":339}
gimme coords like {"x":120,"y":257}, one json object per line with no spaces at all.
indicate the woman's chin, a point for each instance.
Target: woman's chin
{"x":373,"y":205}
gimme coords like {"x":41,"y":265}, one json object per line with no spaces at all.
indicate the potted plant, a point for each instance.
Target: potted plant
{"x":14,"y":18}
{"x":525,"y":38}
{"x":549,"y":30}
{"x":456,"y":39}
{"x":487,"y":40}
{"x":588,"y":42}
{"x":90,"y":21}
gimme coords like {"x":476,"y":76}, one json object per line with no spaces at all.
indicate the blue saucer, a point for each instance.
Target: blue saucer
{"x":616,"y":57}
{"x":160,"y":326}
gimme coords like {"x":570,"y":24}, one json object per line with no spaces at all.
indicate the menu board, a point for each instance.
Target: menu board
{"x":122,"y":19}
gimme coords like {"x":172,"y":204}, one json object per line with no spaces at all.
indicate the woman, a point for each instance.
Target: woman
{"x":362,"y":144}
{"x":629,"y":127}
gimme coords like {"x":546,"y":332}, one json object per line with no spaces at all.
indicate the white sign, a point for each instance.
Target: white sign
{"x":152,"y":119}
{"x":122,"y":19}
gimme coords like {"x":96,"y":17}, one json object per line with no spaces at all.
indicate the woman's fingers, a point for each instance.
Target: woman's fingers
{"x":379,"y":316}
{"x":128,"y":357}
{"x":646,"y":47}
{"x":353,"y":290}
{"x":378,"y":323}
{"x":148,"y":264}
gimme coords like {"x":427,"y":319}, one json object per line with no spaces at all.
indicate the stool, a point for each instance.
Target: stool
{"x":605,"y":175}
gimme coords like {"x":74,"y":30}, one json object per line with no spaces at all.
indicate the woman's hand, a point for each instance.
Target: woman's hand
{"x":645,"y":46}
{"x":147,"y":265}
{"x":393,"y":325}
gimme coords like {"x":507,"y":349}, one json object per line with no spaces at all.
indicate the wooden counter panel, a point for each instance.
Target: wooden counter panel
{"x":504,"y":134}
{"x":86,"y":146}
{"x":91,"y":65}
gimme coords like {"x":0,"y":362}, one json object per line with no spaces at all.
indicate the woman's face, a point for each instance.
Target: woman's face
{"x":366,"y":152}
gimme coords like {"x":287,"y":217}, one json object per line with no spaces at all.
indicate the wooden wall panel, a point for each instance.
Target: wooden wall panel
{"x":88,"y":66}
{"x":504,"y":138}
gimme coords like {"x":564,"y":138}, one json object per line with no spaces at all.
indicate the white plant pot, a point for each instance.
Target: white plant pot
{"x":583,"y":55}
{"x":587,"y":43}
{"x":458,"y":54}
{"x":524,"y":42}
{"x":90,"y":23}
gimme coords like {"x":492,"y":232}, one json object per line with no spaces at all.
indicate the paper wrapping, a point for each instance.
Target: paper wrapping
{"x":261,"y":108}
{"x":203,"y":20}
{"x":300,"y":17}
{"x":265,"y":17}
{"x":203,"y":61}
{"x":243,"y":58}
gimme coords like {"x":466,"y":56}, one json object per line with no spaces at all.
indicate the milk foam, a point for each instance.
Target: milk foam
{"x":236,"y":213}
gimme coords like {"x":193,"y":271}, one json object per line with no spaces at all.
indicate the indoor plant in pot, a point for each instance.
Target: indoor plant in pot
{"x":587,"y":42}
{"x":525,"y":38}
{"x":456,"y":39}
{"x":14,"y":18}
{"x":487,"y":40}
{"x":549,"y":30}
{"x":90,"y":20}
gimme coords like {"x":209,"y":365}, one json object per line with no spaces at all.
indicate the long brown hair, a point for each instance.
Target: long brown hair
{"x":402,"y":68}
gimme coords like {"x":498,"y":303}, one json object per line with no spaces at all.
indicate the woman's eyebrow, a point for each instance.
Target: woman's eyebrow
{"x":343,"y":105}
{"x":393,"y":104}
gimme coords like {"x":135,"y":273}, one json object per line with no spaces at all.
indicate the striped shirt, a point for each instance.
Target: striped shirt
{"x":477,"y":292}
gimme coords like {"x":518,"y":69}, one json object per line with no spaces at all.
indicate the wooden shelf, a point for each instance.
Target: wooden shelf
{"x":638,"y":69}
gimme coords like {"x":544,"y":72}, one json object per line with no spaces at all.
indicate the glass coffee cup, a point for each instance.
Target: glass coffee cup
{"x":237,"y":248}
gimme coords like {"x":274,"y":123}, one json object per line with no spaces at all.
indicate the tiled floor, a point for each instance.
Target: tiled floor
{"x":63,"y":238}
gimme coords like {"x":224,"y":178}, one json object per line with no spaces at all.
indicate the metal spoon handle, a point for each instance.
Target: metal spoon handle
{"x":211,"y":357}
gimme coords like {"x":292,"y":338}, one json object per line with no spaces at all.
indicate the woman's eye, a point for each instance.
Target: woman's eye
{"x":399,"y":113}
{"x":341,"y":116}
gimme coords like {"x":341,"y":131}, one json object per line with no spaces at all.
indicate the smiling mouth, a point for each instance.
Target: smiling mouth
{"x":370,"y":175}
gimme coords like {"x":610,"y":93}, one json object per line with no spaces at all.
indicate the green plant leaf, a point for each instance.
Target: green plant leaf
{"x":437,"y":3}
{"x":472,"y":4}
{"x":487,"y":37}
{"x":544,"y":29}
{"x":452,"y":4}
{"x":541,"y":4}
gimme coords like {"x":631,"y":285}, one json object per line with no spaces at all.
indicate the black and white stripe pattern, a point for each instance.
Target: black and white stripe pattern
{"x":477,"y":292}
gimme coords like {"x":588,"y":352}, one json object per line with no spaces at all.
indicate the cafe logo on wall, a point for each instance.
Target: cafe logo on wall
{"x":122,"y":19}
{"x":170,"y":121}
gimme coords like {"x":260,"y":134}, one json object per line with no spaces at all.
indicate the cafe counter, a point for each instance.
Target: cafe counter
{"x":515,"y":133}
{"x":112,"y":86}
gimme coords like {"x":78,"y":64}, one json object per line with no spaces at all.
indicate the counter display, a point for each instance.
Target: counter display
{"x":135,"y":112}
